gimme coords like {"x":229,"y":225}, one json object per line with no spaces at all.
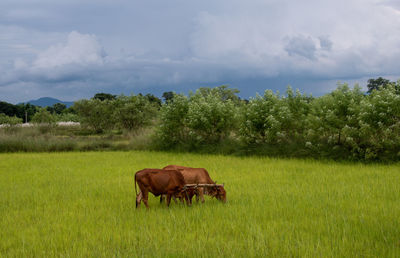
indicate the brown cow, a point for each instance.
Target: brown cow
{"x":158,"y":182}
{"x":200,"y":176}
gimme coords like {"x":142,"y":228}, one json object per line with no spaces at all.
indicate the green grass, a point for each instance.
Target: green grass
{"x":72,"y":138}
{"x":83,"y":204}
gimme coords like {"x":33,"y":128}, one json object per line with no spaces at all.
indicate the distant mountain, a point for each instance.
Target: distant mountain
{"x":44,"y":102}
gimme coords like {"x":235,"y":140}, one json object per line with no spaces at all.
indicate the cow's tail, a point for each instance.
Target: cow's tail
{"x":135,"y":186}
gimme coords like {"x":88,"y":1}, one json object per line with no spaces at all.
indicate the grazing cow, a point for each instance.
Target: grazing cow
{"x":189,"y":192}
{"x":200,"y":176}
{"x":158,"y":182}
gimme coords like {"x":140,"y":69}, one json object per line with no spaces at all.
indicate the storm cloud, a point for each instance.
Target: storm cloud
{"x":74,"y":49}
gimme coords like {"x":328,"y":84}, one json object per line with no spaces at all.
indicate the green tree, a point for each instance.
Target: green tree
{"x":26,"y":111}
{"x":377,"y":84}
{"x":263,"y":119}
{"x":134,"y":112}
{"x":299,"y":107}
{"x":211,"y":115}
{"x":206,"y":117}
{"x":8,"y":109}
{"x":333,"y":120}
{"x":19,"y":110}
{"x":43,"y":117}
{"x":172,"y":129}
{"x":379,"y":120}
{"x":168,"y":96}
{"x":67,"y":117}
{"x":153,"y":99}
{"x":57,"y":108}
{"x":10,"y":120}
{"x":222,"y":91}
{"x":104,"y":96}
{"x":96,"y":114}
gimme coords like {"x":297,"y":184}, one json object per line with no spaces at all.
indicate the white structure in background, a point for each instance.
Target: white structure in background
{"x":69,"y":123}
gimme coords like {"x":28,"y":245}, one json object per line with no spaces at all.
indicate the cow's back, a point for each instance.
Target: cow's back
{"x":192,"y":175}
{"x":160,"y":181}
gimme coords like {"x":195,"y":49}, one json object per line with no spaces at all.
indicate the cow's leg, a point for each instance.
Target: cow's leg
{"x":195,"y":192}
{"x":182,"y":196}
{"x":139,"y":199}
{"x":145,"y":198}
{"x":188,"y":198}
{"x":162,"y":198}
{"x":201,"y":193}
{"x":168,"y":199}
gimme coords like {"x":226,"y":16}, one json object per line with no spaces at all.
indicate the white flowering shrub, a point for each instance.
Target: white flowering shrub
{"x":379,"y":122}
{"x":299,"y":106}
{"x":172,"y":128}
{"x":259,"y":123}
{"x":350,"y":124}
{"x":334,"y":116}
{"x":208,"y":116}
{"x":346,"y":123}
{"x":274,"y":119}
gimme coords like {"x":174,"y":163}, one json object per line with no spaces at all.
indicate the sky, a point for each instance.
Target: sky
{"x":73,"y":49}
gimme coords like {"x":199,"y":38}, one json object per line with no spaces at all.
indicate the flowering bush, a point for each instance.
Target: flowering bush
{"x":172,"y":128}
{"x":207,"y":116}
{"x":273,"y":118}
{"x":379,"y":123}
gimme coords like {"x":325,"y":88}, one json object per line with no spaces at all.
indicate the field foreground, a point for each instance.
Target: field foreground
{"x":83,"y":204}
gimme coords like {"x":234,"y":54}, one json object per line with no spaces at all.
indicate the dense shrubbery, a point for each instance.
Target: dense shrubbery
{"x":208,"y":116}
{"x":9,"y":120}
{"x":122,"y":112}
{"x":344,"y":124}
{"x":133,"y":112}
{"x":273,"y":119}
{"x":43,"y":116}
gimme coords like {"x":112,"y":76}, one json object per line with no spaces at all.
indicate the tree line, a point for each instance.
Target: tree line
{"x":344,"y":124}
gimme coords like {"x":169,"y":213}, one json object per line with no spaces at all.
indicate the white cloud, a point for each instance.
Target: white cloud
{"x":80,"y":49}
{"x":317,"y":38}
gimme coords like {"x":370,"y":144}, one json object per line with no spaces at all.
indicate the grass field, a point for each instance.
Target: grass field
{"x":83,"y":204}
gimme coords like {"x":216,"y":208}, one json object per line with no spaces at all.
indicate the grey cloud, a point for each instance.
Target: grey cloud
{"x":392,"y":3}
{"x":301,"y":46}
{"x":59,"y":46}
{"x":325,"y":43}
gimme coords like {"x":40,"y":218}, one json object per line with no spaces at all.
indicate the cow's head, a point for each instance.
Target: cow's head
{"x":221,"y":193}
{"x":218,"y":192}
